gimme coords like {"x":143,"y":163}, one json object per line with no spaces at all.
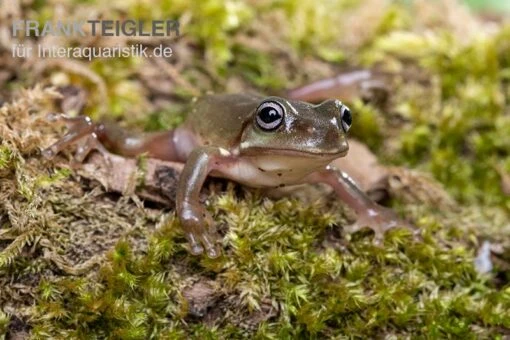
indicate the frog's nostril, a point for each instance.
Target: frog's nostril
{"x":331,"y":137}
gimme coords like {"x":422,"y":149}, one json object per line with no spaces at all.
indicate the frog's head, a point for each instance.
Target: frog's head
{"x":293,"y":128}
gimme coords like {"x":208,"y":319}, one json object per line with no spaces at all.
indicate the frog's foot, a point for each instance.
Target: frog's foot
{"x":380,"y":220}
{"x":82,"y":132}
{"x":196,"y":223}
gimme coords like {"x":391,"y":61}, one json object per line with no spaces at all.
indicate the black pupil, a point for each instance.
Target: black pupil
{"x":269,"y":115}
{"x":347,"y":117}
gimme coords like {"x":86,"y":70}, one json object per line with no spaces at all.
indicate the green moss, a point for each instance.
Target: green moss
{"x":458,"y":131}
{"x":369,"y":125}
{"x":4,"y":323}
{"x":5,"y":157}
{"x":164,"y":119}
{"x":272,"y":262}
{"x":258,"y":68}
{"x":123,"y":95}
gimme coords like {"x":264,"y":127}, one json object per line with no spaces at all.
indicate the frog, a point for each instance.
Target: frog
{"x":257,"y":141}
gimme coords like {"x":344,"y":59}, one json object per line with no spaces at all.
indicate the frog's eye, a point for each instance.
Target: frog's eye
{"x":346,"y":118}
{"x":269,"y":116}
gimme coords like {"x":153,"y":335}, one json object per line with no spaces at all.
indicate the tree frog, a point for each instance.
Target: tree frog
{"x":264,"y":142}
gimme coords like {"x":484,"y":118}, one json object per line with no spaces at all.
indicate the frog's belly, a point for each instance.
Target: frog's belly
{"x":269,"y":171}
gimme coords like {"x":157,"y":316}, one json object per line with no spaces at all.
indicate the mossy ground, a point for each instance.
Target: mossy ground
{"x":76,"y":261}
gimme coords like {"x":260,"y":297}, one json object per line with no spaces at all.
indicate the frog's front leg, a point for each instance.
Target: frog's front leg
{"x":195,"y":220}
{"x":371,"y":214}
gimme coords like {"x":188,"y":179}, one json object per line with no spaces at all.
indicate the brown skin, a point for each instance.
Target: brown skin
{"x":260,"y":142}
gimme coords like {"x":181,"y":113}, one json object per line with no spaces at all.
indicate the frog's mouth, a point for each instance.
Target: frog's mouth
{"x":310,"y":153}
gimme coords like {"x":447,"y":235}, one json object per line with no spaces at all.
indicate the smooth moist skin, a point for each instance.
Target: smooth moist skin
{"x":257,"y":141}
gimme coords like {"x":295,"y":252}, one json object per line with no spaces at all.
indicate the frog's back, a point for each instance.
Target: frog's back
{"x":219,"y":119}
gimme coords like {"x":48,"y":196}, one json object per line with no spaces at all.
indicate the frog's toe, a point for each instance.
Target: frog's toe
{"x":213,"y":252}
{"x":68,"y":120}
{"x":380,"y":220}
{"x":210,"y":246}
{"x":50,"y":152}
{"x":195,"y":247}
{"x":55,"y":117}
{"x":378,"y":240}
{"x":81,"y":132}
{"x":89,"y":144}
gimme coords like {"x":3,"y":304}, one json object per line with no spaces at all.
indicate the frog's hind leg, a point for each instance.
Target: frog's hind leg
{"x":371,"y":214}
{"x":88,"y":144}
{"x":159,"y":145}
{"x":81,"y":131}
{"x":105,"y":138}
